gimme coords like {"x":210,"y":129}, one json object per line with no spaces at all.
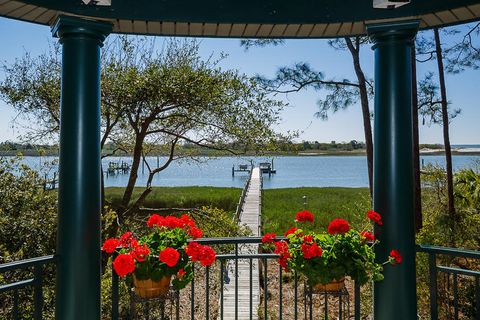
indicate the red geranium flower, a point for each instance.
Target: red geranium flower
{"x":173,"y":222}
{"x":180,"y":273}
{"x":375,"y":217}
{"x":123,"y":264}
{"x":110,"y":245}
{"x":193,"y":250}
{"x":281,"y":248}
{"x":269,"y":238}
{"x":195,"y":233}
{"x":311,"y":251}
{"x":396,"y":257}
{"x":169,"y":256}
{"x":187,"y":221}
{"x":207,"y":256}
{"x":367,"y":235}
{"x":291,"y":231}
{"x":308,"y":239}
{"x":140,"y":252}
{"x":304,"y":216}
{"x":127,"y":240}
{"x":338,"y":226}
{"x":155,"y":220}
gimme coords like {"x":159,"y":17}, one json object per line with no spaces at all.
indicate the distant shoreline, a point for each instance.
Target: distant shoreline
{"x":423,"y":152}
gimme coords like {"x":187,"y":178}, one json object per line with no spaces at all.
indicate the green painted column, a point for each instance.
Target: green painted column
{"x":78,"y":237}
{"x":395,"y":296}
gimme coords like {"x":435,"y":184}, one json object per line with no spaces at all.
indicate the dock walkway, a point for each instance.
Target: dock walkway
{"x":250,"y":216}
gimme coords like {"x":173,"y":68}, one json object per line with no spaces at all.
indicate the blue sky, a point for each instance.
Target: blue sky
{"x":463,"y":89}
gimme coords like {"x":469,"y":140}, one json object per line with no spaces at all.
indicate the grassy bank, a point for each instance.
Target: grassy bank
{"x":280,"y":206}
{"x":182,"y":197}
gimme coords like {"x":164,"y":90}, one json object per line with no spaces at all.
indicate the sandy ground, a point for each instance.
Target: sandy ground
{"x":463,"y":150}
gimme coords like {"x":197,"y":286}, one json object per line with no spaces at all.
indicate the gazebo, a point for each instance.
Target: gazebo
{"x":82,"y":27}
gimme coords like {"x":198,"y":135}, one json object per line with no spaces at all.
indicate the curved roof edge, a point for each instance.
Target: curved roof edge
{"x":272,"y":26}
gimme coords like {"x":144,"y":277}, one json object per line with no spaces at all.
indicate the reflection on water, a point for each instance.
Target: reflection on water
{"x":298,"y":171}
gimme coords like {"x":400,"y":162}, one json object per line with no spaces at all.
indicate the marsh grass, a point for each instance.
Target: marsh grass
{"x":280,"y":205}
{"x":182,"y":197}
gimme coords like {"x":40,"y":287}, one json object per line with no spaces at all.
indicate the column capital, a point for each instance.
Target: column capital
{"x":68,"y":26}
{"x":393,"y":31}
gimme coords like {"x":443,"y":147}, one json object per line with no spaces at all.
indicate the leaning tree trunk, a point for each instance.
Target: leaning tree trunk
{"x":367,"y":125}
{"x":132,"y":179}
{"x":417,"y":195}
{"x":445,"y":122}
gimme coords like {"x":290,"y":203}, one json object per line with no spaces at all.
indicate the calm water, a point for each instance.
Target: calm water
{"x":302,"y":171}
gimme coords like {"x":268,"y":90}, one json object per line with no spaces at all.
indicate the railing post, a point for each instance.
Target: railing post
{"x":115,"y":293}
{"x":236,"y":281}
{"x":16,"y":315}
{"x":356,"y":303}
{"x":432,"y":271}
{"x":477,"y":297}
{"x":38,"y":291}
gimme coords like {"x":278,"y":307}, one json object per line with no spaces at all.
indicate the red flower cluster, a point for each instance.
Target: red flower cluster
{"x":311,"y":251}
{"x":304,"y":216}
{"x":375,"y":217}
{"x":308,"y":239}
{"x":140,"y":252}
{"x":269,"y":238}
{"x":195,"y":233}
{"x":396,"y":257}
{"x":205,"y":254}
{"x":171,"y":222}
{"x":169,"y":256}
{"x":110,"y":245}
{"x":132,"y":252}
{"x":124,"y":264}
{"x":338,"y":226}
{"x":127,"y":240}
{"x":367,"y":235}
{"x":281,"y":248}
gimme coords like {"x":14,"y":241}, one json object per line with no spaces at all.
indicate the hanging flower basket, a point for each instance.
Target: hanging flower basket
{"x":165,"y":255}
{"x":333,"y":286}
{"x":148,"y":289}
{"x":326,"y":258}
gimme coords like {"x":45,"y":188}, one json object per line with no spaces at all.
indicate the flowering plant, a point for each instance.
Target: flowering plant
{"x":324,"y":257}
{"x":165,"y":251}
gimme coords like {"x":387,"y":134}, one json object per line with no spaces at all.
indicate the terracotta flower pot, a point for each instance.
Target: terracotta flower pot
{"x":334,"y":286}
{"x":151,"y":289}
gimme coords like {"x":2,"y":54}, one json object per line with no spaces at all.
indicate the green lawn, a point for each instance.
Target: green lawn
{"x":280,"y":206}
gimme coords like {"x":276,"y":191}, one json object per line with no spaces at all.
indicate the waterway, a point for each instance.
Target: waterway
{"x":292,"y":171}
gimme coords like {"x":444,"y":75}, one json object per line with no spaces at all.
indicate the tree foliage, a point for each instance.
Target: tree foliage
{"x":151,"y":97}
{"x":430,"y":102}
{"x":28,"y":212}
{"x":32,"y":87}
{"x":465,"y":53}
{"x":341,"y":94}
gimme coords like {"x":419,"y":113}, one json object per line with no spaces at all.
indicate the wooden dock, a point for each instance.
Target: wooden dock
{"x":250,"y":215}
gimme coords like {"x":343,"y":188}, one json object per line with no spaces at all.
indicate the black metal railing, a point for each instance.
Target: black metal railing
{"x":277,"y":294}
{"x":434,"y":269}
{"x":273,"y":283}
{"x":34,"y":281}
